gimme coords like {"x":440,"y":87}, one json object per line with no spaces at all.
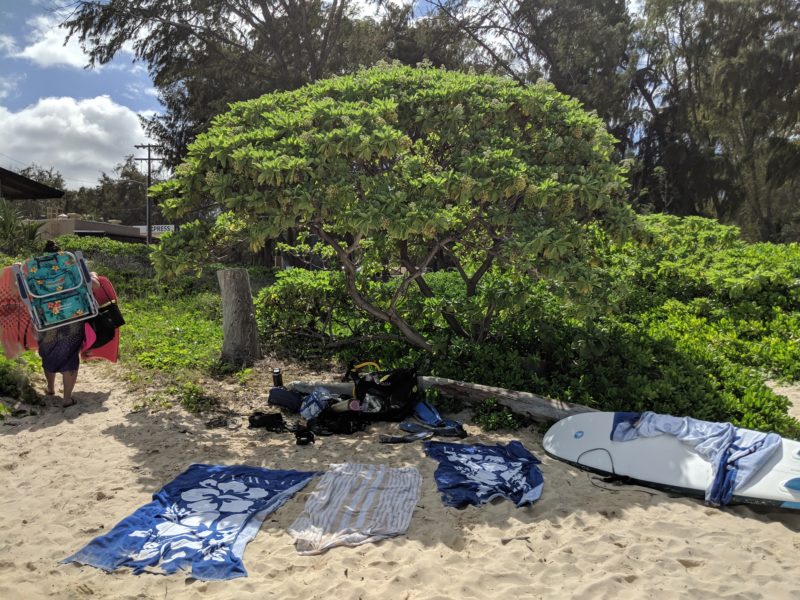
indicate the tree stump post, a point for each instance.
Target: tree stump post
{"x":240,"y":345}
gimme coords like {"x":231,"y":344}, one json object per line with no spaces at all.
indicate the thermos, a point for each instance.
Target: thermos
{"x":277,"y":378}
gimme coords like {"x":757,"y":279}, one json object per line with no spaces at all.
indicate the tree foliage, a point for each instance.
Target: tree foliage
{"x":586,"y":48}
{"x":120,"y":195}
{"x":393,"y":169}
{"x":702,"y":96}
{"x":204,"y":55}
{"x":17,"y":234}
{"x":720,"y":81}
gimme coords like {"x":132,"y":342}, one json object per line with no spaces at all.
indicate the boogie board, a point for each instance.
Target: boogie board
{"x":664,"y":462}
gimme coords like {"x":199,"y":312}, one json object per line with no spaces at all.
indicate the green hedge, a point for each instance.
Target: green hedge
{"x":696,"y":320}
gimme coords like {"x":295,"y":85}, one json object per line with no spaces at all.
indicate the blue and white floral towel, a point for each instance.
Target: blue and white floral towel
{"x":474,"y":473}
{"x":199,"y":522}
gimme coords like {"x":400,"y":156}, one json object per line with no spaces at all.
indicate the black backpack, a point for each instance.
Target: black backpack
{"x":392,"y":395}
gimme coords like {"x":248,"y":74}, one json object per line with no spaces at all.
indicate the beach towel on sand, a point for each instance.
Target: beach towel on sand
{"x":354,"y":504}
{"x":200,"y":522}
{"x":474,"y":474}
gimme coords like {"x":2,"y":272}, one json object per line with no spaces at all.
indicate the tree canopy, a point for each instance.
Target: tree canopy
{"x":701,"y":95}
{"x":394,"y":168}
{"x":204,"y":55}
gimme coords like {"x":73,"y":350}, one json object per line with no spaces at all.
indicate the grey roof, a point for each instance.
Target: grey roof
{"x":14,"y":186}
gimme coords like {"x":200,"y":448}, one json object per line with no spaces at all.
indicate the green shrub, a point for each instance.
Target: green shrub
{"x":15,"y":381}
{"x":127,"y":265}
{"x":696,"y":320}
{"x":490,"y":415}
{"x":192,"y":397}
{"x":305,"y":312}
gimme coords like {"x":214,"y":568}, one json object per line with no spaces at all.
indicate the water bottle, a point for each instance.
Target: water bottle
{"x":277,"y":378}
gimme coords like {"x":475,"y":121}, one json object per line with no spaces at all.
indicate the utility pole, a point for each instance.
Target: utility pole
{"x":149,"y":160}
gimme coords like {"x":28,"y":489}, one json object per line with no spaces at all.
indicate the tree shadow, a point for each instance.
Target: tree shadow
{"x":51,"y":413}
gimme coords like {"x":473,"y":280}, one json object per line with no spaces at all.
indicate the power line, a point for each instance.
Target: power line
{"x":14,"y":159}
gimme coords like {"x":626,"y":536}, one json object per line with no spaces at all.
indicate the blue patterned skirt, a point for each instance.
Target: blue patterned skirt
{"x":60,"y":348}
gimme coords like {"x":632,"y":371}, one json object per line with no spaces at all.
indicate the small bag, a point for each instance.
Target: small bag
{"x":106,"y":323}
{"x":114,"y":314}
{"x":269,"y":421}
{"x":108,"y":319}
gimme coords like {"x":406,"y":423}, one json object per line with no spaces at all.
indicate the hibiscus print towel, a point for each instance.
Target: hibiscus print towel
{"x":200,"y":522}
{"x":475,"y":474}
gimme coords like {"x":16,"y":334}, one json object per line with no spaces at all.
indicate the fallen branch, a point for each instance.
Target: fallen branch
{"x":525,"y":404}
{"x":538,"y":408}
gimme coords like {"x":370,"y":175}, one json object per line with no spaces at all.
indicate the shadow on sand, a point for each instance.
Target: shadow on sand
{"x":51,"y":413}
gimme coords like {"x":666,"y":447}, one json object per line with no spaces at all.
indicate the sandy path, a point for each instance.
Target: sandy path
{"x":68,"y":475}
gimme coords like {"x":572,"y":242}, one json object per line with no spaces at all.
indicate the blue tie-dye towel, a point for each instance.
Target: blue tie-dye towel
{"x":474,"y":474}
{"x":199,"y":522}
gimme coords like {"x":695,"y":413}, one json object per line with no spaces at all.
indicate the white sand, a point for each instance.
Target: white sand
{"x":69,"y":475}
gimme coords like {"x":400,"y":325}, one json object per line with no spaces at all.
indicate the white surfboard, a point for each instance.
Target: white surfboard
{"x":664,"y":462}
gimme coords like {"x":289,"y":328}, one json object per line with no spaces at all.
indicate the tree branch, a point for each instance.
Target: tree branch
{"x":391,"y":316}
{"x":451,"y":320}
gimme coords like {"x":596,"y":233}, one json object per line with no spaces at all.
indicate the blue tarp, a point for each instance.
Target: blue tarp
{"x":474,"y":473}
{"x":199,"y":522}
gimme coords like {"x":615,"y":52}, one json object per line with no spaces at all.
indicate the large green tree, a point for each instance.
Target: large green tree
{"x":203,"y":55}
{"x":395,"y":167}
{"x":586,"y":48}
{"x":720,"y":82}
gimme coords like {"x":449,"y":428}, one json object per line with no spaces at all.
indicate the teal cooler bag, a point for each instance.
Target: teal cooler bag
{"x":56,"y":289}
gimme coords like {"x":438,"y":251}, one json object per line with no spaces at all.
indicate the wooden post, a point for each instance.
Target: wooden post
{"x":240,"y":345}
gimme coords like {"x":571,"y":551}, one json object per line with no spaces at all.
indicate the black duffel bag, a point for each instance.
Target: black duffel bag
{"x":283,"y":398}
{"x":389,"y":395}
{"x":108,"y":319}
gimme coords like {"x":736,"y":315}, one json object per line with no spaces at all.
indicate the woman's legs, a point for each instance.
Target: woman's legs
{"x":69,"y":377}
{"x":51,"y":383}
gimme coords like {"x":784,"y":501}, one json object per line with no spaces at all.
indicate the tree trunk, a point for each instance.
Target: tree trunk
{"x":240,"y":345}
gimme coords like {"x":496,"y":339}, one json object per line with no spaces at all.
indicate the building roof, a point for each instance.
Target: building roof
{"x":14,"y":186}
{"x":53,"y":228}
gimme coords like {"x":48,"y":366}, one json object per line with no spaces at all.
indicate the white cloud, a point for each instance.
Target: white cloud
{"x":7,"y":44}
{"x":9,"y":84}
{"x":48,"y":48}
{"x":80,"y":138}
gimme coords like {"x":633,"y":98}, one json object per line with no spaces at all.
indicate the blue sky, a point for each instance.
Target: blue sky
{"x":54,"y":111}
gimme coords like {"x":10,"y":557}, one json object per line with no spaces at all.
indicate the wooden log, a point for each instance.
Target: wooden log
{"x":240,"y":345}
{"x":538,"y":408}
{"x":334,"y":387}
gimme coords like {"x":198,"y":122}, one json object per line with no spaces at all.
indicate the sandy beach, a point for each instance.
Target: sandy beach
{"x":71,"y":474}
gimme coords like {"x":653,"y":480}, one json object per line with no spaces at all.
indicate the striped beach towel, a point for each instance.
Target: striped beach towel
{"x":354,"y":504}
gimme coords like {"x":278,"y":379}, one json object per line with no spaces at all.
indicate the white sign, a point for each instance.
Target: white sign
{"x":161,"y":228}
